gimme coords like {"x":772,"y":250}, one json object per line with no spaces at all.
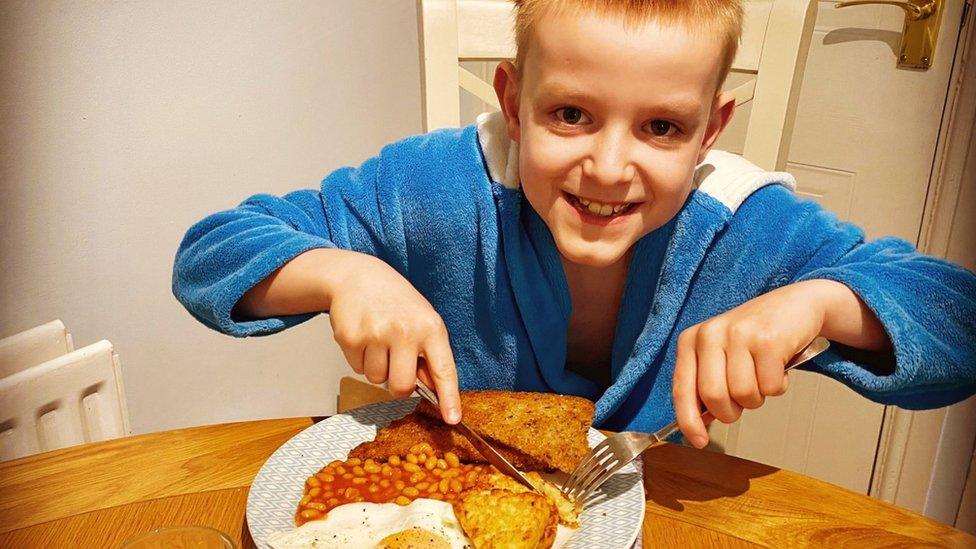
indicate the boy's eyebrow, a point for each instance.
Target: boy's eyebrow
{"x":563,"y":91}
{"x":678,"y":107}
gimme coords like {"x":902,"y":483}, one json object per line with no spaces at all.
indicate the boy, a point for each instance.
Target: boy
{"x":565,"y":245}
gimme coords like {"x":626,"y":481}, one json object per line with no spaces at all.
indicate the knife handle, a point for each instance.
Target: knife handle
{"x":427,"y":394}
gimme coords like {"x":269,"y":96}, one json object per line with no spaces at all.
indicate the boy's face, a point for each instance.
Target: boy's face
{"x":611,"y":121}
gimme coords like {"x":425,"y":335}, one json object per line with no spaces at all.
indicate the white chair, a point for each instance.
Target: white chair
{"x":775,"y":41}
{"x":52,"y":396}
{"x":31,"y":347}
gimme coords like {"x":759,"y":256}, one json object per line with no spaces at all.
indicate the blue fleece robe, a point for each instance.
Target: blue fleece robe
{"x":446,"y":211}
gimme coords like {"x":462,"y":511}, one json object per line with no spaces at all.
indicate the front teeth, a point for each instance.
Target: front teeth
{"x":604,"y":210}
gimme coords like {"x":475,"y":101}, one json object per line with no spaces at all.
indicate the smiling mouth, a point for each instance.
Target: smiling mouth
{"x":599,"y":209}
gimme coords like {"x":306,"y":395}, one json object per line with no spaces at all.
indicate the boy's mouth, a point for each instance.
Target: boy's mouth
{"x":599,"y":209}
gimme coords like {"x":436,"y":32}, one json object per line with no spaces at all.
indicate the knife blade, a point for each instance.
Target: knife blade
{"x":480,"y":444}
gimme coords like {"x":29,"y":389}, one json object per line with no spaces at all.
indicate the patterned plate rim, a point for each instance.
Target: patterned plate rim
{"x":275,"y":491}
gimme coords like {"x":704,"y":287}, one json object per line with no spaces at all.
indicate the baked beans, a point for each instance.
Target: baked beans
{"x":400,"y":479}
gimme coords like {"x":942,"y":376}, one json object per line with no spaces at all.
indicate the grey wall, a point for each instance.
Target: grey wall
{"x":122,"y":123}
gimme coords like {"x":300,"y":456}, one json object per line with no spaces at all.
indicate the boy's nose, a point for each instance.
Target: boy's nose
{"x":609,"y":163}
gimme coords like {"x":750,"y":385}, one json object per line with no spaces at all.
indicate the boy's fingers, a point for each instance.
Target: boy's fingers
{"x":375,"y":363}
{"x":403,"y":370}
{"x":354,"y":356}
{"x":741,"y":373}
{"x":713,"y":385}
{"x":769,"y":375}
{"x":707,"y":418}
{"x":440,"y":366}
{"x":685,"y":392}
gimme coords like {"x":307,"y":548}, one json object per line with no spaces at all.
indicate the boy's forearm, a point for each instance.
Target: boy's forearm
{"x":846,"y":318}
{"x":305,"y":284}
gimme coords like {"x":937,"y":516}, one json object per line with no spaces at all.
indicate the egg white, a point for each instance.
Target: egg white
{"x":365,"y":524}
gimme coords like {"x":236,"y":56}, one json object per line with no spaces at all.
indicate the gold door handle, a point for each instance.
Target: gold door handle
{"x":920,"y":33}
{"x":915,"y":11}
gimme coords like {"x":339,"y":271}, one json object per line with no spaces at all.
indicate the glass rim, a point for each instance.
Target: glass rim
{"x":226,"y":539}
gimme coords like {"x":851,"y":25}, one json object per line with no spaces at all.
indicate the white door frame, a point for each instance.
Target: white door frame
{"x":946,"y":463}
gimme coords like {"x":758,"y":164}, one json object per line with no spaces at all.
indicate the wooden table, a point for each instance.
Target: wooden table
{"x":98,"y":495}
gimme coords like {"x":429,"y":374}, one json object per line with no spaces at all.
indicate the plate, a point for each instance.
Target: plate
{"x":612,"y":520}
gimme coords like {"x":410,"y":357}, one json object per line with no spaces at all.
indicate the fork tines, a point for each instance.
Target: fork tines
{"x":595,"y":468}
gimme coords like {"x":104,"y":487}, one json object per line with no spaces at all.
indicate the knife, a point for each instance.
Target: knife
{"x":480,"y":444}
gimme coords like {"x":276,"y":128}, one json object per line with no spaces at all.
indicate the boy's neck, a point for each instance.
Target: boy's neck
{"x":596,"y":294}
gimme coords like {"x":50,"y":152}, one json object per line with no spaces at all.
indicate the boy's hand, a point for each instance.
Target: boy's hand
{"x":736,"y":359}
{"x":388,"y":331}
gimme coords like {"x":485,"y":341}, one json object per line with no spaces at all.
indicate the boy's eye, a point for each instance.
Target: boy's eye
{"x":571,"y":116}
{"x":662,"y":128}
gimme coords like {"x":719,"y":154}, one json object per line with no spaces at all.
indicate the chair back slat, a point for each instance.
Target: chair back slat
{"x":485,"y":31}
{"x":788,"y":32}
{"x":32,"y":347}
{"x":438,"y":64}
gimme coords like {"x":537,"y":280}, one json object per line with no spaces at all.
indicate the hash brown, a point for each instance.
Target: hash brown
{"x":568,"y":513}
{"x":497,"y":519}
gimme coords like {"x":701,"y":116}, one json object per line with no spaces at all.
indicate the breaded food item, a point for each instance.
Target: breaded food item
{"x":499,"y":519}
{"x":568,"y":512}
{"x":547,"y":427}
{"x":400,"y":435}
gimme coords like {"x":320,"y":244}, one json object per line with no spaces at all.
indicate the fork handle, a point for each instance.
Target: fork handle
{"x":814,"y":348}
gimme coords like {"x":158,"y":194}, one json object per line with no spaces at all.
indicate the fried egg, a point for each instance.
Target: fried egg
{"x":424,"y":523}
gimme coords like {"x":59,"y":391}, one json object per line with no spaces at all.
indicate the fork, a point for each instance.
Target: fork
{"x":618,"y":450}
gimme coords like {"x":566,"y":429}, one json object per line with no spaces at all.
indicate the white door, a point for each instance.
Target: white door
{"x":864,"y":145}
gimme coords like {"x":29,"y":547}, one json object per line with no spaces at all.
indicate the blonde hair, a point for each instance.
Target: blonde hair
{"x":722,"y":17}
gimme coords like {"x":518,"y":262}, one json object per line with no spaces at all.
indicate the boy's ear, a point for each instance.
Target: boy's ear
{"x":506,"y":85}
{"x":722,"y":109}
